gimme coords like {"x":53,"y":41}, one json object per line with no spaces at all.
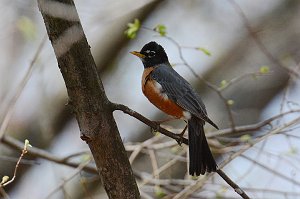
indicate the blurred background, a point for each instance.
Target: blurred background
{"x":242,"y":56}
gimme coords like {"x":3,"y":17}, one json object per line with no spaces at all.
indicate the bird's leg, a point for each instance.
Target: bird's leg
{"x":183,"y":131}
{"x":181,"y":134}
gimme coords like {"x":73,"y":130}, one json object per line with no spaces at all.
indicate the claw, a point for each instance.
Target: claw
{"x":180,"y":140}
{"x":183,"y":131}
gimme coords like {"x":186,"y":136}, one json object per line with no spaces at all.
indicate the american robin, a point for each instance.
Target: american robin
{"x":172,"y":94}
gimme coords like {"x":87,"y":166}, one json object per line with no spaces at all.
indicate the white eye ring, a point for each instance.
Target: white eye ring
{"x":150,"y":53}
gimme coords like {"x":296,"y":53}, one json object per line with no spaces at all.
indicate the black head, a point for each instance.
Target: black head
{"x":152,"y":54}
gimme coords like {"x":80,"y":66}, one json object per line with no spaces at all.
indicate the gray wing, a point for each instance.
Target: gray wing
{"x":180,"y":91}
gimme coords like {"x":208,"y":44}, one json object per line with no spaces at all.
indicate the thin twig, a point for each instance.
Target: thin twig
{"x":257,"y":40}
{"x":251,"y":127}
{"x":75,"y":155}
{"x":273,"y":191}
{"x":193,"y":187}
{"x":282,"y":157}
{"x":163,"y":182}
{"x":75,"y":172}
{"x":154,"y":164}
{"x":83,"y":183}
{"x":284,"y":95}
{"x":23,"y":161}
{"x":15,"y":144}
{"x":201,"y":181}
{"x":3,"y":193}
{"x":276,"y":173}
{"x":239,"y":78}
{"x":24,"y":151}
{"x":258,"y":154}
{"x":286,"y":91}
{"x":162,"y":154}
{"x":137,"y":150}
{"x":257,"y":140}
{"x":236,"y":188}
{"x":10,"y":107}
{"x":154,"y":146}
{"x":164,"y":167}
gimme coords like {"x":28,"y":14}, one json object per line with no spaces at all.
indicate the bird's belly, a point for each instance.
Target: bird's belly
{"x":152,"y":91}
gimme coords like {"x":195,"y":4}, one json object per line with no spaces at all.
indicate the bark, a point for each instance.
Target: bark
{"x":87,"y":97}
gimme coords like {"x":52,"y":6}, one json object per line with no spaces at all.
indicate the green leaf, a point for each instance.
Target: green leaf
{"x":26,"y":144}
{"x":204,"y":50}
{"x":175,"y":149}
{"x":293,"y":151}
{"x":246,"y":138}
{"x":27,"y":28}
{"x":221,"y":193}
{"x":161,"y":29}
{"x":132,"y":29}
{"x":254,"y":76}
{"x":4,"y":179}
{"x":223,"y":84}
{"x":155,"y":132}
{"x":264,"y":69}
{"x":230,"y":102}
{"x":85,"y":157}
{"x":159,"y":193}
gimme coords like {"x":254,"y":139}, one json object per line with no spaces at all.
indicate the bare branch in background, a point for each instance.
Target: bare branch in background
{"x":10,"y":108}
{"x":40,"y":153}
{"x":5,"y":179}
{"x":74,"y":173}
{"x":258,"y":41}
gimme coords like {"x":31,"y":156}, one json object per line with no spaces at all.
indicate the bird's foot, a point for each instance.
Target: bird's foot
{"x":180,"y":135}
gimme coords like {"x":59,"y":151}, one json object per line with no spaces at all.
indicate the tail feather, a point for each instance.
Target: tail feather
{"x":201,"y":159}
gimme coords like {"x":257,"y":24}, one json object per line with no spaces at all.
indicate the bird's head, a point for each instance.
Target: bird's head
{"x":152,"y":54}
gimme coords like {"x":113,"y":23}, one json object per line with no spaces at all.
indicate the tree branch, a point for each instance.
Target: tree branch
{"x":258,"y":41}
{"x":155,"y":126}
{"x":236,"y":187}
{"x":24,"y":151}
{"x":150,"y":123}
{"x":10,"y":107}
{"x":36,"y":152}
{"x":251,"y":127}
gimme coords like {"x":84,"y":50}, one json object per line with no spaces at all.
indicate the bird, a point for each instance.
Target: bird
{"x":172,"y":94}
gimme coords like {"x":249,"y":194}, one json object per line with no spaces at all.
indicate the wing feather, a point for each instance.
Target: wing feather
{"x":179,"y":91}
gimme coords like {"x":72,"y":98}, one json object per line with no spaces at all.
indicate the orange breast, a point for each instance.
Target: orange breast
{"x":154,"y":95}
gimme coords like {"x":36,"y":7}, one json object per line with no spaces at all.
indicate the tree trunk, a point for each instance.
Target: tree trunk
{"x":87,"y":97}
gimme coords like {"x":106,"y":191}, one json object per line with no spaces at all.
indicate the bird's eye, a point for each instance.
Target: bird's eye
{"x":151,"y":54}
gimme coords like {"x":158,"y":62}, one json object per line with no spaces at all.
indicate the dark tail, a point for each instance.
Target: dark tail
{"x":201,"y":159}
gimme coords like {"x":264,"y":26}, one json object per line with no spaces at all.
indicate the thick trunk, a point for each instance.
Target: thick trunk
{"x":87,"y":97}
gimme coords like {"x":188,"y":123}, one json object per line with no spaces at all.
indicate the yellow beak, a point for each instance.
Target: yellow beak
{"x":138,"y":54}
